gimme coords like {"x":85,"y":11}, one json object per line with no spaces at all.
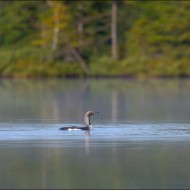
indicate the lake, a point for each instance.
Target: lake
{"x":140,"y":139}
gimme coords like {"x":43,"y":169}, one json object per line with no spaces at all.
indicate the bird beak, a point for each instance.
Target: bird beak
{"x":96,"y":112}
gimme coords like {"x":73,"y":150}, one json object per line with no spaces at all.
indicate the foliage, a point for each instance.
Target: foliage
{"x":36,"y":38}
{"x":30,"y":63}
{"x":53,"y":21}
{"x":163,"y":38}
{"x":17,"y":21}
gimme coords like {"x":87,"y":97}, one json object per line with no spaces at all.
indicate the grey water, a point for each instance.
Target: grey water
{"x":140,"y":138}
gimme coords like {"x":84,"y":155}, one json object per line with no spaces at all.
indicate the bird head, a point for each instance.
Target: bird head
{"x":90,"y":113}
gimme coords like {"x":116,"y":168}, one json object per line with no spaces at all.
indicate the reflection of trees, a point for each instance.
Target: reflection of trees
{"x":132,"y":165}
{"x":43,"y":170}
{"x":68,"y":100}
{"x":42,"y":100}
{"x":114,"y":105}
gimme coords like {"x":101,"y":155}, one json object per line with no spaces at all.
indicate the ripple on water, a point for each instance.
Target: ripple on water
{"x":106,"y":132}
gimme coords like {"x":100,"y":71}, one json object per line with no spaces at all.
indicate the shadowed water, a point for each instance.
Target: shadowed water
{"x":140,"y":139}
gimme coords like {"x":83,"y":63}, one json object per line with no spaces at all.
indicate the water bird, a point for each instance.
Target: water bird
{"x":87,"y":122}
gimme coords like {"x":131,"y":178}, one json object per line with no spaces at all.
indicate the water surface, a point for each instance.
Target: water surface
{"x":141,"y":137}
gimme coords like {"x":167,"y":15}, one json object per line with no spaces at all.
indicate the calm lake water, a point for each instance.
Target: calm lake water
{"x":140,"y":139}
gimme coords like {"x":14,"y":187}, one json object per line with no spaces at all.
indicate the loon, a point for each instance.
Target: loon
{"x":86,"y":120}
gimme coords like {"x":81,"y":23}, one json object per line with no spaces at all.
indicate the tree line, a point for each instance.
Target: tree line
{"x":49,"y":38}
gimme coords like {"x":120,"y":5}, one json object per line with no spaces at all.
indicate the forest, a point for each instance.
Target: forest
{"x":95,"y":38}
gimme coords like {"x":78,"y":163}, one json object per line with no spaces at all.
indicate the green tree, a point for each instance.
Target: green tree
{"x":17,"y":21}
{"x":158,"y":35}
{"x":53,"y":25}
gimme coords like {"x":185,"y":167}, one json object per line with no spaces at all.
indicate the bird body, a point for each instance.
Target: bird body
{"x":75,"y":128}
{"x":87,"y":122}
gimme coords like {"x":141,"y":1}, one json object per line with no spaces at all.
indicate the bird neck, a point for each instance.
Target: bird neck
{"x":87,"y":122}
